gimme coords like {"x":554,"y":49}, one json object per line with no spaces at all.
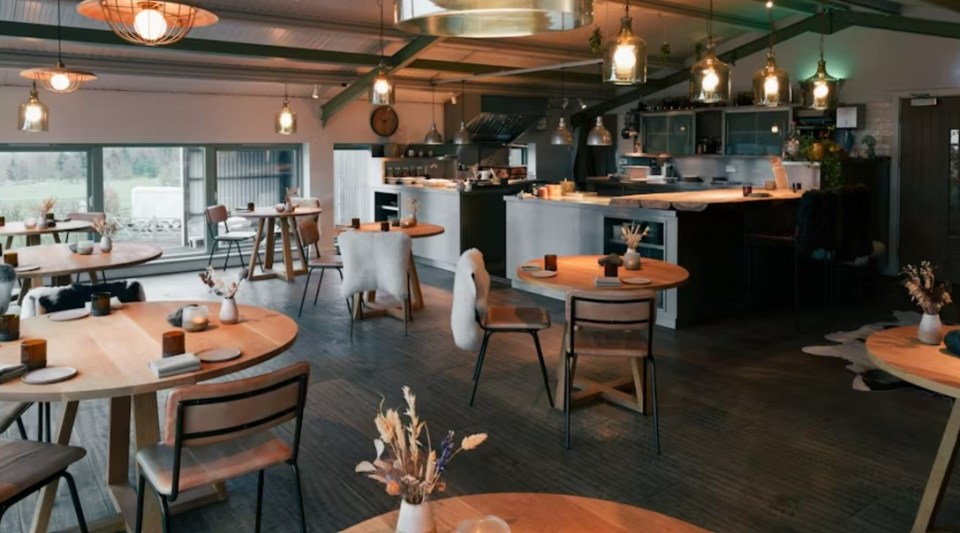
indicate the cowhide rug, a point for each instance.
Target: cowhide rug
{"x":851,"y":346}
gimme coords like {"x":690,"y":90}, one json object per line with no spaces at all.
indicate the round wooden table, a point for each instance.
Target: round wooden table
{"x":111,"y":354}
{"x":577,"y":272}
{"x":530,"y":512}
{"x":266,"y":226}
{"x":419,"y":231}
{"x":13,"y":229}
{"x":897,"y":351}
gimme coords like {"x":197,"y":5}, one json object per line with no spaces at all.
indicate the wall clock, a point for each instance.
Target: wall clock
{"x":384,"y":121}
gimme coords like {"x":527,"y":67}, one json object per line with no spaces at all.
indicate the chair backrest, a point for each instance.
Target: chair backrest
{"x":88,"y":216}
{"x":8,"y":280}
{"x":471,"y":288}
{"x":217,"y":214}
{"x":308,"y":201}
{"x":613,"y":310}
{"x":375,"y":261}
{"x":855,"y":223}
{"x":209,"y":413}
{"x":309,"y":234}
{"x":817,"y":226}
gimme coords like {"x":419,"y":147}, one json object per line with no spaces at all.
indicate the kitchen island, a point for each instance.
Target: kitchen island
{"x":699,"y":230}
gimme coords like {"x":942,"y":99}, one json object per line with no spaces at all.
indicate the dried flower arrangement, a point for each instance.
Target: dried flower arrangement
{"x":47,"y":205}
{"x":211,"y":278}
{"x":105,"y":227}
{"x":413,"y":206}
{"x":411,"y":469}
{"x":921,"y":284}
{"x":632,"y":234}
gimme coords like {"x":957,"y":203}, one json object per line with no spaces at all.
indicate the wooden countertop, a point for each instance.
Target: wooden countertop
{"x":680,"y":201}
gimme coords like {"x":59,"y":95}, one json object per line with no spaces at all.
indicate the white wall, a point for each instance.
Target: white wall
{"x":93,"y":116}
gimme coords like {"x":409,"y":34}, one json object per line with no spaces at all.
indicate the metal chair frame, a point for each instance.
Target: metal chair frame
{"x":215,"y":241}
{"x":71,"y":485}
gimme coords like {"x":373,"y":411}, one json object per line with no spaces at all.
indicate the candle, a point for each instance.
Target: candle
{"x":100,"y":304}
{"x":10,"y":258}
{"x":610,"y":270}
{"x":385,"y":226}
{"x":85,"y":247}
{"x":355,"y":223}
{"x":3,"y":221}
{"x":174,"y":343}
{"x":9,"y":327}
{"x":195,"y":318}
{"x":33,"y":353}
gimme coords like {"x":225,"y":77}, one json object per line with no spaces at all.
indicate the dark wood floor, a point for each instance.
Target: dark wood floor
{"x":756,"y":435}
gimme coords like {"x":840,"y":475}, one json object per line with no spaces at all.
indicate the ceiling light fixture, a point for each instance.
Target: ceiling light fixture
{"x":433,"y":136}
{"x":33,"y":116}
{"x":562,"y":136}
{"x":491,"y":19}
{"x":625,"y":56}
{"x":599,"y":135}
{"x":382,"y":90}
{"x":462,"y":136}
{"x":771,"y":84}
{"x":286,"y":120}
{"x":710,"y":77}
{"x":59,"y":78}
{"x":147,"y":22}
{"x":316,"y":92}
{"x":821,"y":91}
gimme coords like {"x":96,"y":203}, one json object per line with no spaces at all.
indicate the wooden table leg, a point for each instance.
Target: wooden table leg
{"x":8,"y":242}
{"x":416,"y":295}
{"x":268,"y":254}
{"x":940,"y":474}
{"x":41,"y":516}
{"x":254,"y":258}
{"x":287,"y":273}
{"x":33,"y":239}
{"x":56,"y":237}
{"x":295,"y":231}
{"x":617,"y":392}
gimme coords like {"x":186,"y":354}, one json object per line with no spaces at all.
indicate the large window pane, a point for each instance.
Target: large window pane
{"x":28,"y":177}
{"x":258,"y":175}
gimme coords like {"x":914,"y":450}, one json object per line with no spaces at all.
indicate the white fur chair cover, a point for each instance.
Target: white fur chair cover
{"x":471,"y":288}
{"x":31,"y":302}
{"x":8,"y":280}
{"x":375,"y":261}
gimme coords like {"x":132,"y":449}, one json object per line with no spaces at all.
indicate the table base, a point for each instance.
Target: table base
{"x":629,"y":393}
{"x":939,"y":474}
{"x":290,"y":271}
{"x":416,"y":297}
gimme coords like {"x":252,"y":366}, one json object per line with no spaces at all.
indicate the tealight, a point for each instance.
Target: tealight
{"x":85,"y":247}
{"x":195,"y":318}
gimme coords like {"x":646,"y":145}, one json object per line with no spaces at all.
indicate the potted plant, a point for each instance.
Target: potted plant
{"x":632,"y":235}
{"x":229,"y":313}
{"x":931,"y":297}
{"x":46,"y":207}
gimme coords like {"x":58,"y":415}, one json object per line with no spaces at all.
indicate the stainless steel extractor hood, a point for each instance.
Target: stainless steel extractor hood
{"x":493,"y":119}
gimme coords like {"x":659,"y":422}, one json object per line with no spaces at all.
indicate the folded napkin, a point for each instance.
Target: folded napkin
{"x":177,"y":364}
{"x":530,"y":267}
{"x":8,"y":372}
{"x":606,"y":282}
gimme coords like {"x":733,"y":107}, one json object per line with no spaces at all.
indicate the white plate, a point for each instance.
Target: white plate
{"x":636,"y":281}
{"x":27,"y":268}
{"x":50,"y":374}
{"x":216,"y":355}
{"x":69,"y":314}
{"x":543,"y":273}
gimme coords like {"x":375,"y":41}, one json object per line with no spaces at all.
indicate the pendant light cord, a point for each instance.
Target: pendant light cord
{"x":59,"y":39}
{"x":709,"y":24}
{"x":770,"y":17}
{"x":823,"y":27}
{"x":380,"y":3}
{"x":463,"y":115}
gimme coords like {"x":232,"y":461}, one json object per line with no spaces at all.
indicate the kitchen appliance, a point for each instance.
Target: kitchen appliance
{"x":493,"y":119}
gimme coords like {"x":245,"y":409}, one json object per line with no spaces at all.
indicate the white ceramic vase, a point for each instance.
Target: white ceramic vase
{"x":415,"y":518}
{"x":228,"y":311}
{"x":106,"y":244}
{"x":930,"y":330}
{"x":631,"y":259}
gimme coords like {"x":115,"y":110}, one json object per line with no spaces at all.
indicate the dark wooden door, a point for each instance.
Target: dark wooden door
{"x":930,"y":185}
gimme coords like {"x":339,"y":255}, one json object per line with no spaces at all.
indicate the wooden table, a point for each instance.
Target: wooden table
{"x":111,"y":354}
{"x":420,"y":231}
{"x":13,"y":229}
{"x":266,"y":226}
{"x":578,"y":273}
{"x":529,"y":512}
{"x":897,"y":351}
{"x":57,"y":261}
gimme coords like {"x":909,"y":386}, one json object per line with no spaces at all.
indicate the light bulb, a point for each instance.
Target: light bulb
{"x":820,"y":90}
{"x":33,"y":113}
{"x":624,"y":57}
{"x":710,"y":81}
{"x":150,"y":24}
{"x":775,"y":129}
{"x":59,"y":82}
{"x":769,"y":4}
{"x":771,"y":86}
{"x":381,"y":86}
{"x":286,"y":119}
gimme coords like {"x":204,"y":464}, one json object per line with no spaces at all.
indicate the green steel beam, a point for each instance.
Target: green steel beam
{"x":884,"y":6}
{"x":696,"y":12}
{"x":936,"y":28}
{"x":807,"y":6}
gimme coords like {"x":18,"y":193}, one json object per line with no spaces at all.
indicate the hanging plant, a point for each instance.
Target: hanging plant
{"x":595,"y":42}
{"x":664,"y":52}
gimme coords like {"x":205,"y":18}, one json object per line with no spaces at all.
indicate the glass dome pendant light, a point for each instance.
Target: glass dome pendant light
{"x":771,"y":84}
{"x":463,"y":135}
{"x":59,"y":79}
{"x":710,"y":77}
{"x":34,"y":116}
{"x":821,"y":91}
{"x":286,"y":120}
{"x":382,"y":90}
{"x":433,"y":136}
{"x":599,"y":135}
{"x":625,"y":56}
{"x":562,"y":136}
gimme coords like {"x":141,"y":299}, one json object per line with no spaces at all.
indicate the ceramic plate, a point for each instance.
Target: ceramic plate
{"x":70,"y":314}
{"x":636,"y":281}
{"x":216,"y":355}
{"x":50,"y":374}
{"x":543,"y":274}
{"x":27,"y":268}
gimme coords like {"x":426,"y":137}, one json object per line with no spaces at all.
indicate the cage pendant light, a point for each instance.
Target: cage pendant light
{"x":433,"y":136}
{"x":147,"y":22}
{"x":562,"y":136}
{"x":710,"y":77}
{"x":821,"y":91}
{"x":382,"y":90}
{"x":463,"y":135}
{"x":625,"y":56}
{"x":286,"y":119}
{"x":771,"y":84}
{"x":34,"y":116}
{"x":59,"y":78}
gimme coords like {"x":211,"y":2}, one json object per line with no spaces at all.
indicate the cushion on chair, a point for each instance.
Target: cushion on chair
{"x":504,"y":317}
{"x":8,"y":280}
{"x":25,"y":463}
{"x":205,"y":465}
{"x":375,"y":261}
{"x":326,"y":261}
{"x":471,"y":288}
{"x":608,"y":342}
{"x":236,"y":236}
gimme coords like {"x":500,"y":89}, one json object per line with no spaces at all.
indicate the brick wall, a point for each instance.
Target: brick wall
{"x":879,"y":123}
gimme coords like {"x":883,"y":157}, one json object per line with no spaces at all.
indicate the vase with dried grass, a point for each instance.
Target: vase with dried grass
{"x":930,"y":296}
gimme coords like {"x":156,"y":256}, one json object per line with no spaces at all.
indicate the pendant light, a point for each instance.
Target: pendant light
{"x":33,"y":116}
{"x":562,"y":136}
{"x":625,"y":56}
{"x":433,"y":136}
{"x":147,"y":22}
{"x":821,"y":91}
{"x":286,"y":120}
{"x":462,"y":136}
{"x":599,"y":135}
{"x":771,"y":84}
{"x":710,"y":77}
{"x":59,"y":78}
{"x":491,"y":19}
{"x":382,"y":88}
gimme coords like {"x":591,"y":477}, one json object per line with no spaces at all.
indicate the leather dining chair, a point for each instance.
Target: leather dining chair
{"x":27,"y":466}
{"x":310,"y":236}
{"x":220,"y":431}
{"x":217,"y":218}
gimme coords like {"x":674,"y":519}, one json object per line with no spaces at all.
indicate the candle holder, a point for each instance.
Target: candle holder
{"x":51,"y":220}
{"x":385,"y":226}
{"x":195,"y":318}
{"x":250,"y":206}
{"x":30,"y":223}
{"x":550,"y":262}
{"x":747,"y":190}
{"x":174,"y":343}
{"x":796,"y":186}
{"x":355,"y":223}
{"x":33,"y":353}
{"x":610,"y":271}
{"x":10,"y":258}
{"x":9,"y":327}
{"x":3,"y":221}
{"x":100,"y":304}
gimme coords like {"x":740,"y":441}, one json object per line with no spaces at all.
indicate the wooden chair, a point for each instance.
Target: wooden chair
{"x":376,"y":262}
{"x":611,"y":324}
{"x":310,"y":236}
{"x":220,"y":431}
{"x":27,"y":466}
{"x":217,"y":215}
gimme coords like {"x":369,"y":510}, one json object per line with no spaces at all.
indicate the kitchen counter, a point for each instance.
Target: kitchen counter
{"x":498,"y":190}
{"x":680,"y":201}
